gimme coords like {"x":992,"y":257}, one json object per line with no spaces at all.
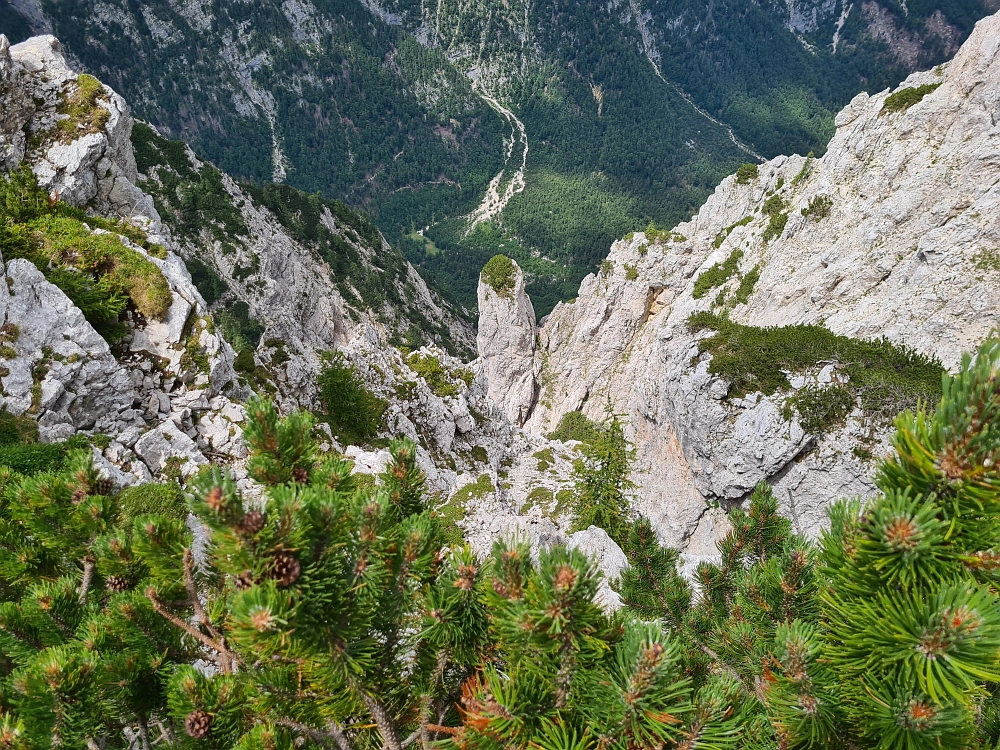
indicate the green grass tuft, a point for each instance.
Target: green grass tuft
{"x":499,"y":274}
{"x":819,"y":207}
{"x":775,"y":208}
{"x":820,"y":407}
{"x":905,"y":98}
{"x":98,"y":272}
{"x":85,"y":114}
{"x":574,"y":425}
{"x":746,"y":173}
{"x":883,"y":377}
{"x":721,"y":236}
{"x":806,"y":169}
{"x":717,"y":275}
{"x":151,"y":499}
{"x":453,"y":511}
{"x":442,"y":381}
{"x":747,"y":284}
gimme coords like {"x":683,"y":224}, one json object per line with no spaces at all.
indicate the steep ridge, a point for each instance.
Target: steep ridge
{"x":309,"y":272}
{"x":891,"y":234}
{"x":287,"y":277}
{"x":162,"y":393}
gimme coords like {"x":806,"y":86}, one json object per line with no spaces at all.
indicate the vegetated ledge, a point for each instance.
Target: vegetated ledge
{"x":903,"y":99}
{"x":85,"y":256}
{"x":499,"y":273}
{"x":883,"y":378}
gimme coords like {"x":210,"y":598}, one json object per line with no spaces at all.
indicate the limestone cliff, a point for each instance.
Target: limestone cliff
{"x":892,"y":233}
{"x":168,"y":394}
{"x":159,"y":394}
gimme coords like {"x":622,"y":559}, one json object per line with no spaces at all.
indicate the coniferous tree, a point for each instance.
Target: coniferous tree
{"x":602,"y":485}
{"x":81,"y":649}
{"x":322,"y":614}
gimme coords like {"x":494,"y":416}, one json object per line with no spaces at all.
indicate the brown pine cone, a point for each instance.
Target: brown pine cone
{"x":252,"y":522}
{"x":198,"y":724}
{"x":244,"y":580}
{"x":285,"y":569}
{"x":78,"y":496}
{"x":103,"y":487}
{"x":117,"y":584}
{"x":300,"y":475}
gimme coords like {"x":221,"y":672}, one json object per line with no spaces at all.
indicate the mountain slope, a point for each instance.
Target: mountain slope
{"x":325,"y":97}
{"x":313,"y":269}
{"x":778,"y":71}
{"x":287,"y":278}
{"x":633,"y":110}
{"x":747,"y":344}
{"x":548,"y":128}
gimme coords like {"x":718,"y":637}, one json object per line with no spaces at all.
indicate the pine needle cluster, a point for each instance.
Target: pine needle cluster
{"x":325,"y":614}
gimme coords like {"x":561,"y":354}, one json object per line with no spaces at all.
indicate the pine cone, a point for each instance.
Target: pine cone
{"x":117,"y":584}
{"x":300,"y":475}
{"x":252,"y":522}
{"x":78,"y":496}
{"x":103,"y":487}
{"x":197,"y":724}
{"x":285,"y":569}
{"x":243,"y":581}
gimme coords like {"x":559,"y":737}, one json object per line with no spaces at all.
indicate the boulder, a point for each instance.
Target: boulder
{"x":62,"y":370}
{"x":609,"y":558}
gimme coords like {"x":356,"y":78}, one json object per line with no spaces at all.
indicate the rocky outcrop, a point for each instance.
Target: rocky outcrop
{"x":892,"y":233}
{"x":96,"y":169}
{"x":312,"y":289}
{"x":61,"y":368}
{"x":168,"y":395}
{"x":506,"y":345}
{"x":16,"y":112}
{"x":159,"y":395}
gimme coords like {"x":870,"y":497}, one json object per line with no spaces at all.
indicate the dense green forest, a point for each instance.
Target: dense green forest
{"x":611,"y":146}
{"x":780,"y":92}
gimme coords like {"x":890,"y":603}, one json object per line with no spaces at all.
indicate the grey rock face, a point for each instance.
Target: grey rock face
{"x":161,"y":398}
{"x":96,"y":169}
{"x":63,"y":370}
{"x":17,"y":109}
{"x":609,"y":558}
{"x":158,"y":446}
{"x":297,"y":296}
{"x":506,"y":345}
